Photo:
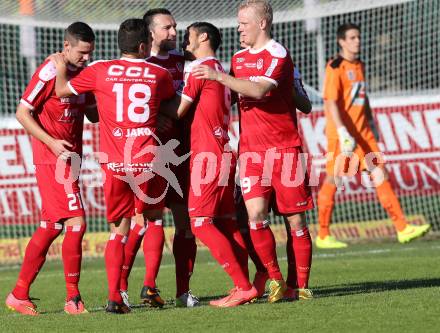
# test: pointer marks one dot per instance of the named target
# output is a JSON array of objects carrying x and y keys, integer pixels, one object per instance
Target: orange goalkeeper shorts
[{"x": 366, "y": 156}]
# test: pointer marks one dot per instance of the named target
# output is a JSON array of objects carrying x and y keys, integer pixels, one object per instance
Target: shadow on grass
[
  {"x": 319, "y": 292},
  {"x": 375, "y": 287}
]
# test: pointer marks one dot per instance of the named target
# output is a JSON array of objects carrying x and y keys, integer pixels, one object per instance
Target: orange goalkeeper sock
[
  {"x": 390, "y": 203},
  {"x": 326, "y": 203}
]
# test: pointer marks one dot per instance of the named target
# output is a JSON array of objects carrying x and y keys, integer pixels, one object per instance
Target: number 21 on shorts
[{"x": 74, "y": 201}]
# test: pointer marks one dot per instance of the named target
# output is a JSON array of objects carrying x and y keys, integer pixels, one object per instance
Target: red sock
[
  {"x": 131, "y": 248},
  {"x": 72, "y": 255},
  {"x": 265, "y": 246},
  {"x": 154, "y": 240},
  {"x": 35, "y": 256},
  {"x": 184, "y": 251},
  {"x": 229, "y": 228},
  {"x": 302, "y": 247},
  {"x": 221, "y": 250},
  {"x": 291, "y": 280},
  {"x": 251, "y": 250},
  {"x": 114, "y": 258}
]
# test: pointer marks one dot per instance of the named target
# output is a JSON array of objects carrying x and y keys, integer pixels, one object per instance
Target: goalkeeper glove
[{"x": 346, "y": 141}]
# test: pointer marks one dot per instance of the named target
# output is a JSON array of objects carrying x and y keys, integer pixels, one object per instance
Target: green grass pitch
[{"x": 384, "y": 287}]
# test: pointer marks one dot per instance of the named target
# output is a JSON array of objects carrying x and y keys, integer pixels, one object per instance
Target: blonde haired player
[
  {"x": 349, "y": 131},
  {"x": 262, "y": 75}
]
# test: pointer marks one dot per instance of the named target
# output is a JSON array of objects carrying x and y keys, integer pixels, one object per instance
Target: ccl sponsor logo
[{"x": 131, "y": 71}]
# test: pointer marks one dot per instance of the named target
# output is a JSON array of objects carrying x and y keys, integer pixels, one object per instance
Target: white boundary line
[{"x": 210, "y": 263}]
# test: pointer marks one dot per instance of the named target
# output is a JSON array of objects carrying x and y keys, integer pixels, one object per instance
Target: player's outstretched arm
[
  {"x": 61, "y": 87},
  {"x": 246, "y": 88},
  {"x": 58, "y": 147}
]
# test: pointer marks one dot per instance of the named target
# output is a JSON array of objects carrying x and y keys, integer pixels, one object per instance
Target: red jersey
[
  {"x": 211, "y": 109},
  {"x": 61, "y": 118},
  {"x": 128, "y": 94},
  {"x": 271, "y": 121},
  {"x": 174, "y": 63}
]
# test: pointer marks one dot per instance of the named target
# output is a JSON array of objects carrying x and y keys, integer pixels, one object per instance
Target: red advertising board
[{"x": 410, "y": 141}]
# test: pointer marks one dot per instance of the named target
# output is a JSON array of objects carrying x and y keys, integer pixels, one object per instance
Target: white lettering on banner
[
  {"x": 37, "y": 196},
  {"x": 8, "y": 157},
  {"x": 415, "y": 130},
  {"x": 427, "y": 172},
  {"x": 396, "y": 170},
  {"x": 24, "y": 143},
  {"x": 315, "y": 135},
  {"x": 17, "y": 202},
  {"x": 432, "y": 118},
  {"x": 387, "y": 133},
  {"x": 411, "y": 137},
  {"x": 22, "y": 202},
  {"x": 6, "y": 210}
]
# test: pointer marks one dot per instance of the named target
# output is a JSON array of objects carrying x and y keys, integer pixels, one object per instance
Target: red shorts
[
  {"x": 279, "y": 175},
  {"x": 60, "y": 193},
  {"x": 126, "y": 193},
  {"x": 211, "y": 190}
]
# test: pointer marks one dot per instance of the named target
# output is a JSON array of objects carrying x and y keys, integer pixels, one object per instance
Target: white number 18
[{"x": 136, "y": 102}]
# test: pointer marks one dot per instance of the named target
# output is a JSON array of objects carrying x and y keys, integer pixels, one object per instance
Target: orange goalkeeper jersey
[{"x": 345, "y": 84}]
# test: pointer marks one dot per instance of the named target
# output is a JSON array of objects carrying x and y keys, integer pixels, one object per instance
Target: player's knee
[
  {"x": 257, "y": 209},
  {"x": 77, "y": 220},
  {"x": 297, "y": 221},
  {"x": 138, "y": 219},
  {"x": 121, "y": 226}
]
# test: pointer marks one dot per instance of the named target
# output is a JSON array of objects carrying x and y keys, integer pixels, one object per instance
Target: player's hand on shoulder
[
  {"x": 58, "y": 59},
  {"x": 347, "y": 143},
  {"x": 61, "y": 148},
  {"x": 204, "y": 72}
]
